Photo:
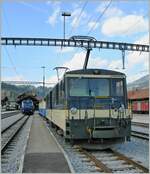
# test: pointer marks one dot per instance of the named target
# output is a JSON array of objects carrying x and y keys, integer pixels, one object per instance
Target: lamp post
[
  {"x": 64, "y": 14},
  {"x": 43, "y": 67}
]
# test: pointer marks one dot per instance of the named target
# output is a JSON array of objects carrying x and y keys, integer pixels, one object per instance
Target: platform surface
[
  {"x": 42, "y": 154},
  {"x": 142, "y": 118}
]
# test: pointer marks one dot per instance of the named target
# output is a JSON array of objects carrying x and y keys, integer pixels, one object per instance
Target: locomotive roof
[
  {"x": 90, "y": 72},
  {"x": 95, "y": 71}
]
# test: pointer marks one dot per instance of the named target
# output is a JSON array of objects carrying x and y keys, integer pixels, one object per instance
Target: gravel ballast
[
  {"x": 12, "y": 161},
  {"x": 137, "y": 149}
]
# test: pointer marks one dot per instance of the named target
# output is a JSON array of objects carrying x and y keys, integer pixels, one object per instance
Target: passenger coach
[{"x": 90, "y": 104}]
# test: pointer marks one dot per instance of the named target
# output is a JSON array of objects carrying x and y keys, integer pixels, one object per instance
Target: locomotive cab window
[
  {"x": 78, "y": 87},
  {"x": 98, "y": 87},
  {"x": 88, "y": 87},
  {"x": 117, "y": 87}
]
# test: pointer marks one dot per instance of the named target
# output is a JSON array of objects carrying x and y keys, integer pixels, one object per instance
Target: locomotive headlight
[{"x": 73, "y": 110}]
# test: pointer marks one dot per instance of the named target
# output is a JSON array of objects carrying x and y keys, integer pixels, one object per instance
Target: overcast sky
[{"x": 110, "y": 20}]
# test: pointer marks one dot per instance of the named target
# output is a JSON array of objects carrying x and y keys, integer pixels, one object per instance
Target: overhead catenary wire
[
  {"x": 78, "y": 18},
  {"x": 8, "y": 55},
  {"x": 82, "y": 10},
  {"x": 6, "y": 20},
  {"x": 99, "y": 17},
  {"x": 11, "y": 61},
  {"x": 92, "y": 17},
  {"x": 93, "y": 26},
  {"x": 33, "y": 7},
  {"x": 133, "y": 26},
  {"x": 25, "y": 68}
]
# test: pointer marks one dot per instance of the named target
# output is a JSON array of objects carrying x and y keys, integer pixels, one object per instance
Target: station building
[
  {"x": 31, "y": 96},
  {"x": 138, "y": 100}
]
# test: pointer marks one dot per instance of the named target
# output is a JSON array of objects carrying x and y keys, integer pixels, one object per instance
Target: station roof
[
  {"x": 27, "y": 96},
  {"x": 138, "y": 94}
]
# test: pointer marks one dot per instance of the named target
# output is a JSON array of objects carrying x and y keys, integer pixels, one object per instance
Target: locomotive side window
[
  {"x": 57, "y": 94},
  {"x": 47, "y": 101},
  {"x": 50, "y": 100},
  {"x": 117, "y": 87},
  {"x": 54, "y": 97},
  {"x": 61, "y": 93}
]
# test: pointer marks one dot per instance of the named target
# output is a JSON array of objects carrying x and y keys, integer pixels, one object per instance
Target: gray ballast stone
[{"x": 45, "y": 163}]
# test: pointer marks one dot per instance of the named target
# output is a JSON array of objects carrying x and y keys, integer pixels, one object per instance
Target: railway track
[
  {"x": 9, "y": 114},
  {"x": 141, "y": 135},
  {"x": 8, "y": 134},
  {"x": 146, "y": 125},
  {"x": 103, "y": 161},
  {"x": 110, "y": 161}
]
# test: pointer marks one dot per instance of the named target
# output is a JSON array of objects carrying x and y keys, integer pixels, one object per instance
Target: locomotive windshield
[
  {"x": 95, "y": 87},
  {"x": 89, "y": 87},
  {"x": 27, "y": 103}
]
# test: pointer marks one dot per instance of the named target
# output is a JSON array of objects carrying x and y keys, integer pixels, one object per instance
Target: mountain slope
[
  {"x": 12, "y": 91},
  {"x": 141, "y": 83}
]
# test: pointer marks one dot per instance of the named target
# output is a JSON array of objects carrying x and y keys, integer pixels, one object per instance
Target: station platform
[
  {"x": 43, "y": 154},
  {"x": 142, "y": 118}
]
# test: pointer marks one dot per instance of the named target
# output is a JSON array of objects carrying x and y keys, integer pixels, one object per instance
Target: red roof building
[
  {"x": 139, "y": 100},
  {"x": 138, "y": 94}
]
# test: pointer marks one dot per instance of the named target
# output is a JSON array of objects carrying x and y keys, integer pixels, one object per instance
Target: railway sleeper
[
  {"x": 129, "y": 161},
  {"x": 109, "y": 162},
  {"x": 118, "y": 167},
  {"x": 86, "y": 160}
]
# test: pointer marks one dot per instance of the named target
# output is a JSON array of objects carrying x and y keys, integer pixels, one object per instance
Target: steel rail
[
  {"x": 12, "y": 124},
  {"x": 9, "y": 114},
  {"x": 129, "y": 161},
  {"x": 72, "y": 43},
  {"x": 141, "y": 135},
  {"x": 119, "y": 156},
  {"x": 4, "y": 146},
  {"x": 140, "y": 124},
  {"x": 97, "y": 162}
]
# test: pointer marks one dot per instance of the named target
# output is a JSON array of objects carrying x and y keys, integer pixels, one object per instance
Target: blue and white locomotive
[
  {"x": 90, "y": 105},
  {"x": 27, "y": 107}
]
